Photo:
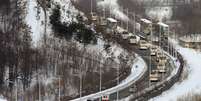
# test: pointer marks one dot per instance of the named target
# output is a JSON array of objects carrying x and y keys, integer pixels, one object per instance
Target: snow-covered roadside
[
  {"x": 192, "y": 84},
  {"x": 35, "y": 22},
  {"x": 138, "y": 69},
  {"x": 2, "y": 99}
]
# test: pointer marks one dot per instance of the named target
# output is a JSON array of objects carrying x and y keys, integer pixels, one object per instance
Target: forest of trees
[
  {"x": 79, "y": 30},
  {"x": 26, "y": 69}
]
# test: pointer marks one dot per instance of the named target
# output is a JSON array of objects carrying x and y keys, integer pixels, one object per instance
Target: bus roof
[
  {"x": 163, "y": 24},
  {"x": 112, "y": 20},
  {"x": 146, "y": 21}
]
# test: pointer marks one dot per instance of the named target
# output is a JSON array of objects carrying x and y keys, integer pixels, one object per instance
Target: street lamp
[{"x": 16, "y": 91}]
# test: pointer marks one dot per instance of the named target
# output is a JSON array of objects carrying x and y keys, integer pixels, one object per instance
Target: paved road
[
  {"x": 135, "y": 75},
  {"x": 144, "y": 82}
]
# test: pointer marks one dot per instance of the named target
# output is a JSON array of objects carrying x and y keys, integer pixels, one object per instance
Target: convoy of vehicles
[{"x": 142, "y": 41}]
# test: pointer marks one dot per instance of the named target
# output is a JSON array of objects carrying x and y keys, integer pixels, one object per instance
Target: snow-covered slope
[
  {"x": 192, "y": 84},
  {"x": 68, "y": 11},
  {"x": 35, "y": 17},
  {"x": 35, "y": 20},
  {"x": 114, "y": 51}
]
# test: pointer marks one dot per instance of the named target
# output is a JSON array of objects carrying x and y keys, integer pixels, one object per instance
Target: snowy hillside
[{"x": 68, "y": 11}]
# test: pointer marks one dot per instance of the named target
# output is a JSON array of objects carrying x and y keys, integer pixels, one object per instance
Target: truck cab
[
  {"x": 154, "y": 76},
  {"x": 125, "y": 35},
  {"x": 161, "y": 67},
  {"x": 144, "y": 45},
  {"x": 153, "y": 50}
]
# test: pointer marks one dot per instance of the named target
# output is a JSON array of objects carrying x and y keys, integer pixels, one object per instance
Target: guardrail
[
  {"x": 161, "y": 86},
  {"x": 117, "y": 88},
  {"x": 157, "y": 89}
]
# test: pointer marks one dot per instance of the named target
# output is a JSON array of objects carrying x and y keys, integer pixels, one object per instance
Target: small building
[
  {"x": 191, "y": 41},
  {"x": 111, "y": 25},
  {"x": 145, "y": 26}
]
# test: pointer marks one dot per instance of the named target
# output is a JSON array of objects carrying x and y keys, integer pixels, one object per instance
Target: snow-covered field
[
  {"x": 138, "y": 69},
  {"x": 192, "y": 84}
]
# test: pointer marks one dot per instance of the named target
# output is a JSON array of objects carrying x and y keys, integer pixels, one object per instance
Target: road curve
[{"x": 138, "y": 69}]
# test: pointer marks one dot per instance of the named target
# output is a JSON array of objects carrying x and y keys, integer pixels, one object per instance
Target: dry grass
[
  {"x": 185, "y": 73},
  {"x": 190, "y": 97}
]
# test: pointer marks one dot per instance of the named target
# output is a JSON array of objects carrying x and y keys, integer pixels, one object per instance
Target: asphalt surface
[{"x": 143, "y": 82}]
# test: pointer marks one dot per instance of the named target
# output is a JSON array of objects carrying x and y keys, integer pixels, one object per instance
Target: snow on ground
[
  {"x": 35, "y": 22},
  {"x": 114, "y": 51},
  {"x": 113, "y": 6},
  {"x": 2, "y": 99},
  {"x": 138, "y": 69},
  {"x": 192, "y": 84},
  {"x": 68, "y": 11}
]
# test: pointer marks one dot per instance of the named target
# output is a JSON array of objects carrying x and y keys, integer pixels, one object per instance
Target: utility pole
[
  {"x": 80, "y": 84},
  {"x": 110, "y": 7},
  {"x": 134, "y": 23},
  {"x": 168, "y": 41},
  {"x": 150, "y": 66},
  {"x": 127, "y": 20},
  {"x": 16, "y": 89},
  {"x": 104, "y": 15},
  {"x": 59, "y": 89},
  {"x": 100, "y": 72},
  {"x": 91, "y": 7},
  {"x": 39, "y": 95},
  {"x": 118, "y": 81},
  {"x": 121, "y": 20}
]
